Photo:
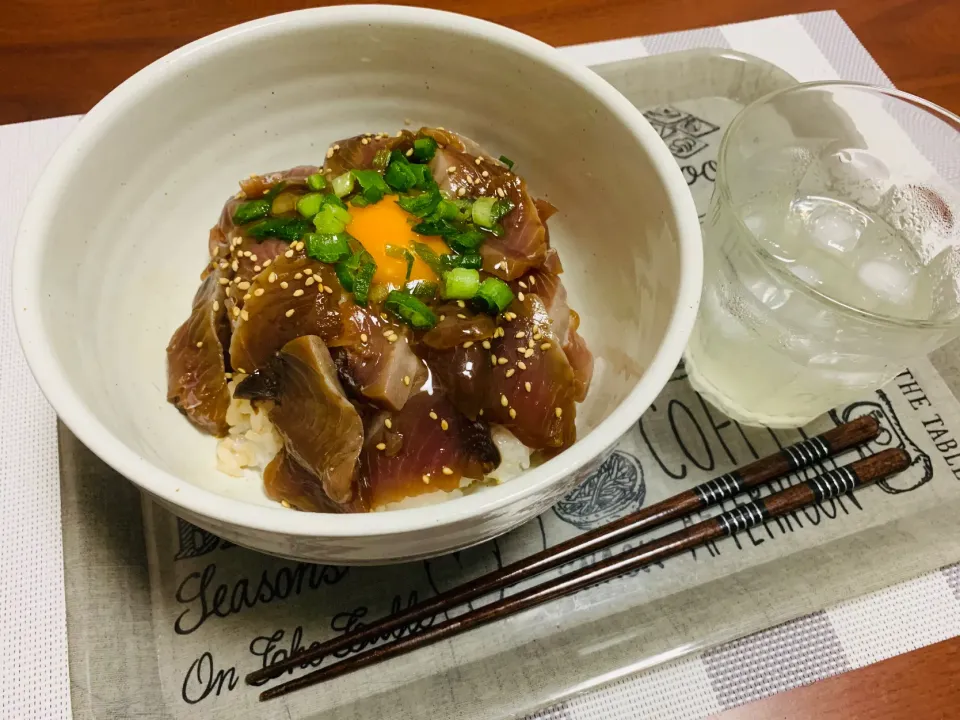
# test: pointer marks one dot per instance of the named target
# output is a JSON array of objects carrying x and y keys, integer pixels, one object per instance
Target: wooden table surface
[{"x": 59, "y": 57}]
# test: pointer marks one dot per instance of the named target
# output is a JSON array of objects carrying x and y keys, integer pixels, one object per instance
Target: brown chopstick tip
[
  {"x": 884, "y": 463},
  {"x": 856, "y": 431}
]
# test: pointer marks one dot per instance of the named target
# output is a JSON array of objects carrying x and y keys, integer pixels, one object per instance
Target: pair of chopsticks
[{"x": 831, "y": 484}]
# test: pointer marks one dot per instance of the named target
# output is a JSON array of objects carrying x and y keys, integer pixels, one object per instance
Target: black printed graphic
[
  {"x": 891, "y": 435},
  {"x": 615, "y": 489},
  {"x": 195, "y": 542},
  {"x": 680, "y": 130}
]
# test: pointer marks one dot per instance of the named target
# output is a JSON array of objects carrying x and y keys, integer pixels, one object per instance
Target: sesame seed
[
  {"x": 284, "y": 284},
  {"x": 258, "y": 292},
  {"x": 364, "y": 338},
  {"x": 461, "y": 316},
  {"x": 520, "y": 334},
  {"x": 383, "y": 316},
  {"x": 285, "y": 504},
  {"x": 272, "y": 277},
  {"x": 485, "y": 343},
  {"x": 236, "y": 311},
  {"x": 504, "y": 401},
  {"x": 513, "y": 413},
  {"x": 244, "y": 253},
  {"x": 528, "y": 353},
  {"x": 501, "y": 192},
  {"x": 480, "y": 412},
  {"x": 527, "y": 386},
  {"x": 252, "y": 256},
  {"x": 336, "y": 146},
  {"x": 520, "y": 297},
  {"x": 485, "y": 173},
  {"x": 451, "y": 170},
  {"x": 329, "y": 153},
  {"x": 392, "y": 338},
  {"x": 499, "y": 332},
  {"x": 510, "y": 372},
  {"x": 442, "y": 317},
  {"x": 236, "y": 279},
  {"x": 537, "y": 335},
  {"x": 298, "y": 292},
  {"x": 289, "y": 312},
  {"x": 521, "y": 365},
  {"x": 446, "y": 470},
  {"x": 533, "y": 280},
  {"x": 381, "y": 446},
  {"x": 501, "y": 361},
  {"x": 364, "y": 141},
  {"x": 510, "y": 315},
  {"x": 388, "y": 332},
  {"x": 406, "y": 380},
  {"x": 558, "y": 412},
  {"x": 522, "y": 284},
  {"x": 328, "y": 290},
  {"x": 531, "y": 343},
  {"x": 478, "y": 161},
  {"x": 224, "y": 281},
  {"x": 267, "y": 263},
  {"x": 244, "y": 285},
  {"x": 224, "y": 264},
  {"x": 288, "y": 254},
  {"x": 228, "y": 375},
  {"x": 409, "y": 152},
  {"x": 298, "y": 276},
  {"x": 468, "y": 344},
  {"x": 433, "y": 415},
  {"x": 389, "y": 423},
  {"x": 461, "y": 192},
  {"x": 298, "y": 245},
  {"x": 216, "y": 305},
  {"x": 200, "y": 344},
  {"x": 545, "y": 346},
  {"x": 493, "y": 359},
  {"x": 444, "y": 425},
  {"x": 257, "y": 268},
  {"x": 307, "y": 271},
  {"x": 461, "y": 303},
  {"x": 247, "y": 296},
  {"x": 426, "y": 479},
  {"x": 244, "y": 315}
]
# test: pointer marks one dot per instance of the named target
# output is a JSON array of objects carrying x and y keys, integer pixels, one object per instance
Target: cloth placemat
[{"x": 34, "y": 680}]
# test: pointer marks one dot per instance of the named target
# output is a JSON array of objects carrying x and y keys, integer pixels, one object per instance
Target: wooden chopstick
[
  {"x": 823, "y": 487},
  {"x": 787, "y": 460},
  {"x": 828, "y": 485}
]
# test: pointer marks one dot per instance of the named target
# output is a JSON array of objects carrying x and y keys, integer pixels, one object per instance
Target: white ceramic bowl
[{"x": 115, "y": 235}]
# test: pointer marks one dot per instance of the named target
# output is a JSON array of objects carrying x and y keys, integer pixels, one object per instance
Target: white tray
[{"x": 126, "y": 660}]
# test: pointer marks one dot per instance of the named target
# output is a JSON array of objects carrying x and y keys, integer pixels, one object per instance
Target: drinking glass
[{"x": 832, "y": 250}]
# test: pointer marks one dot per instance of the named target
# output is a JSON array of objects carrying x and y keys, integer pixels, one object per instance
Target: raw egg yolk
[{"x": 385, "y": 223}]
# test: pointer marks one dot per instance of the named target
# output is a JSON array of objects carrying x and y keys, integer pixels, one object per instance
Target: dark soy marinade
[{"x": 389, "y": 306}]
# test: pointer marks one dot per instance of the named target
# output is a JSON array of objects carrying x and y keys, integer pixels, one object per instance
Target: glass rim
[{"x": 775, "y": 263}]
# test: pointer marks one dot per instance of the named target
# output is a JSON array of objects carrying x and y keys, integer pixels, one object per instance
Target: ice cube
[
  {"x": 944, "y": 276},
  {"x": 807, "y": 274},
  {"x": 892, "y": 283},
  {"x": 857, "y": 176},
  {"x": 835, "y": 227},
  {"x": 924, "y": 216},
  {"x": 771, "y": 295}
]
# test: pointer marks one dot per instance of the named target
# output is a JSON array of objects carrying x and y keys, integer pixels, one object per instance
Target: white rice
[{"x": 253, "y": 442}]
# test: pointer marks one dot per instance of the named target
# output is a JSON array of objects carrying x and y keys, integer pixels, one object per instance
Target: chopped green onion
[
  {"x": 327, "y": 248},
  {"x": 421, "y": 289},
  {"x": 251, "y": 210},
  {"x": 381, "y": 158},
  {"x": 331, "y": 199},
  {"x": 399, "y": 176},
  {"x": 507, "y": 161},
  {"x": 284, "y": 228},
  {"x": 487, "y": 212},
  {"x": 401, "y": 253},
  {"x": 359, "y": 201},
  {"x": 378, "y": 293},
  {"x": 343, "y": 184},
  {"x": 356, "y": 272},
  {"x": 435, "y": 227},
  {"x": 423, "y": 204},
  {"x": 363, "y": 279},
  {"x": 330, "y": 220},
  {"x": 345, "y": 275},
  {"x": 411, "y": 310},
  {"x": 465, "y": 242},
  {"x": 472, "y": 261},
  {"x": 309, "y": 205},
  {"x": 372, "y": 184},
  {"x": 316, "y": 181},
  {"x": 274, "y": 190},
  {"x": 429, "y": 257},
  {"x": 461, "y": 284},
  {"x": 424, "y": 149},
  {"x": 494, "y": 296},
  {"x": 424, "y": 177}
]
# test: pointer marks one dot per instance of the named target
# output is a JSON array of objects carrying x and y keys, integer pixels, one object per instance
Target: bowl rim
[{"x": 205, "y": 504}]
